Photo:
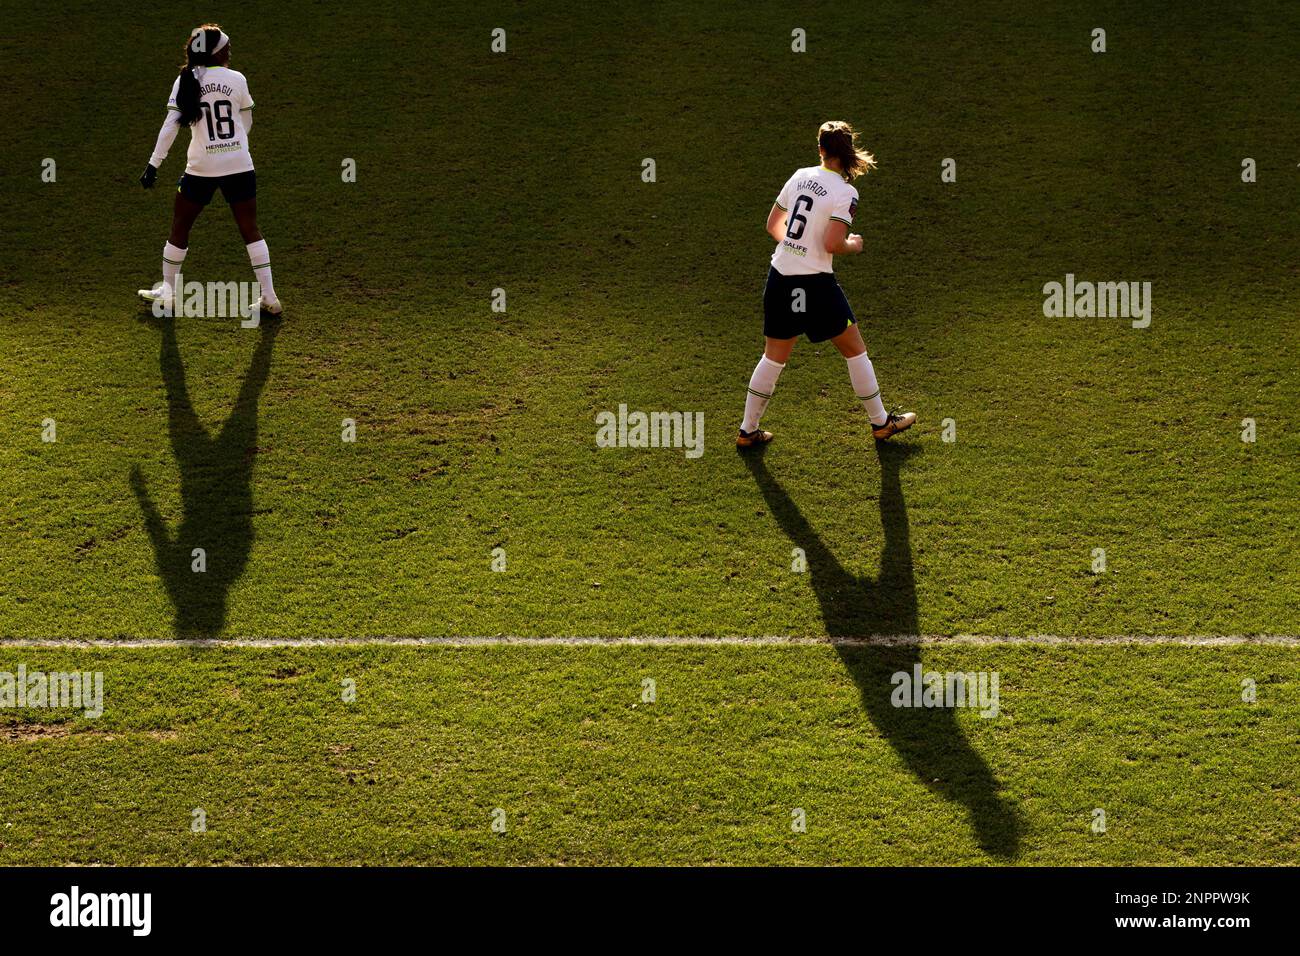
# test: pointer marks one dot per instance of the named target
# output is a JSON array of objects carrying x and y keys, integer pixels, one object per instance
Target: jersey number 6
[
  {"x": 225, "y": 127},
  {"x": 796, "y": 216}
]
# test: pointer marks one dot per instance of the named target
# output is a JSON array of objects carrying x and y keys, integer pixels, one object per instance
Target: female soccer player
[
  {"x": 213, "y": 101},
  {"x": 810, "y": 223}
]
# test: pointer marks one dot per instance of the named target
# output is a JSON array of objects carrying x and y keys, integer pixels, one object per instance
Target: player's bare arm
[
  {"x": 839, "y": 241},
  {"x": 776, "y": 223}
]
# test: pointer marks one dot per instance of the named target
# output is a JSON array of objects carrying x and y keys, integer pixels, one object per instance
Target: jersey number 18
[{"x": 225, "y": 125}]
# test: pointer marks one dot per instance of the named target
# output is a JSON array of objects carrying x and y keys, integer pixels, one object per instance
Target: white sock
[
  {"x": 260, "y": 257},
  {"x": 173, "y": 256},
  {"x": 761, "y": 386},
  {"x": 863, "y": 376}
]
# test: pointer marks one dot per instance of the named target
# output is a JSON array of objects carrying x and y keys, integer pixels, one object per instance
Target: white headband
[{"x": 221, "y": 41}]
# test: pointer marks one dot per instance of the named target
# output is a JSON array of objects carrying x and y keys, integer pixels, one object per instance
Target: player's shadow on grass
[
  {"x": 216, "y": 491},
  {"x": 929, "y": 740}
]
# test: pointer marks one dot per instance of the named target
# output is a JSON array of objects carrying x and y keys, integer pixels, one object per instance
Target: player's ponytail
[
  {"x": 201, "y": 49},
  {"x": 839, "y": 141}
]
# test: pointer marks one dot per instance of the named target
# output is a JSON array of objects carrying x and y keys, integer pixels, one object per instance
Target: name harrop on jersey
[{"x": 813, "y": 186}]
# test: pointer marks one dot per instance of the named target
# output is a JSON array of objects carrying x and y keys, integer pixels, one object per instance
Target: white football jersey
[
  {"x": 219, "y": 140},
  {"x": 811, "y": 198}
]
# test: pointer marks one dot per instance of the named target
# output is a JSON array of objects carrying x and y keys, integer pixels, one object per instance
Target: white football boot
[
  {"x": 270, "y": 307},
  {"x": 159, "y": 293}
]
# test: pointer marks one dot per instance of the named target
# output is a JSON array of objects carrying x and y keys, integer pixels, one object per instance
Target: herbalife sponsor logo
[
  {"x": 651, "y": 430},
  {"x": 977, "y": 690},
  {"x": 77, "y": 690}
]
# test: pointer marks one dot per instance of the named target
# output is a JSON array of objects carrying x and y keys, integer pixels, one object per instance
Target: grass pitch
[{"x": 475, "y": 431}]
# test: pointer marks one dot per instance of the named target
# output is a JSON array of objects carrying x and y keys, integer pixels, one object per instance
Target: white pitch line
[{"x": 878, "y": 640}]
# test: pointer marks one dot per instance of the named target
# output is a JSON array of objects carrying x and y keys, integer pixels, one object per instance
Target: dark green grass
[{"x": 476, "y": 429}]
